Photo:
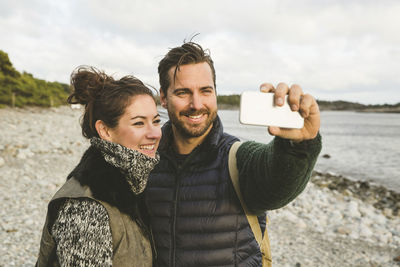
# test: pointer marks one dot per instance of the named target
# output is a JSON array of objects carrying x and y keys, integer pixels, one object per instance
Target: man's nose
[{"x": 195, "y": 102}]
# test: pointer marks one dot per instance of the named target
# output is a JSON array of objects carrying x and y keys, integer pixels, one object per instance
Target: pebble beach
[{"x": 334, "y": 222}]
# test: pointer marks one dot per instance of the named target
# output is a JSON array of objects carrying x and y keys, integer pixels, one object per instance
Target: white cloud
[{"x": 337, "y": 49}]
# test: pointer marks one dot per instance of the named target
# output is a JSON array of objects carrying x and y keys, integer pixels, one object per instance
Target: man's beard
[{"x": 197, "y": 131}]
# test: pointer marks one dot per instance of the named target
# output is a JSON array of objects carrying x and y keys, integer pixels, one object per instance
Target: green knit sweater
[{"x": 271, "y": 175}]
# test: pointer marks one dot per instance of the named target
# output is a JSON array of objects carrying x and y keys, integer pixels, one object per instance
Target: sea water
[{"x": 359, "y": 146}]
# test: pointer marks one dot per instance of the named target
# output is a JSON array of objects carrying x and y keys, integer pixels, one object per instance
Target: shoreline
[
  {"x": 382, "y": 198},
  {"x": 366, "y": 110},
  {"x": 222, "y": 106}
]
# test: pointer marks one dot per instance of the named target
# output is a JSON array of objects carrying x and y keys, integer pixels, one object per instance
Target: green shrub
[{"x": 21, "y": 90}]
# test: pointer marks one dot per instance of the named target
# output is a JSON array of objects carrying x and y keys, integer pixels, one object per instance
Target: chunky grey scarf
[{"x": 134, "y": 165}]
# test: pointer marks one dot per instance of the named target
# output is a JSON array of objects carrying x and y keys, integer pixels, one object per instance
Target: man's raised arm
[{"x": 271, "y": 175}]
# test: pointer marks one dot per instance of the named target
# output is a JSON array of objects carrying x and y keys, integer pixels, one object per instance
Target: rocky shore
[{"x": 334, "y": 222}]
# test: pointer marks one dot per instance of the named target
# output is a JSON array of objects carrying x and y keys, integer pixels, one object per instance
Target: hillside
[
  {"x": 21, "y": 90},
  {"x": 343, "y": 105}
]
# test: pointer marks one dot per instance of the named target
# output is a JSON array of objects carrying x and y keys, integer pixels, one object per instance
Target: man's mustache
[{"x": 194, "y": 112}]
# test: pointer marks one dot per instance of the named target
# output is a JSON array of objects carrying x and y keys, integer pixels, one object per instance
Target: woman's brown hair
[{"x": 104, "y": 97}]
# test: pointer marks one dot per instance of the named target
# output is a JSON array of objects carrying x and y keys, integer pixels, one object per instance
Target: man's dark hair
[{"x": 188, "y": 53}]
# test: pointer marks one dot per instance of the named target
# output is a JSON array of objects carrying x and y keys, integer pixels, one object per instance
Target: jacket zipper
[
  {"x": 173, "y": 250},
  {"x": 173, "y": 224},
  {"x": 177, "y": 186}
]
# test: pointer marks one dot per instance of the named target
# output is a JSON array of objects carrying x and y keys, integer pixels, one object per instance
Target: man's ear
[
  {"x": 103, "y": 130},
  {"x": 163, "y": 99}
]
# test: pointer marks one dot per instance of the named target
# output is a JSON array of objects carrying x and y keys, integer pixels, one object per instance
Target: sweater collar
[{"x": 135, "y": 166}]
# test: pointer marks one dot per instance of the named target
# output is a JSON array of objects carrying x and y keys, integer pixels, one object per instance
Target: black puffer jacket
[{"x": 196, "y": 217}]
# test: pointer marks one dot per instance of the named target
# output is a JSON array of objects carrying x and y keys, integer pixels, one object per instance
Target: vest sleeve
[
  {"x": 271, "y": 175},
  {"x": 82, "y": 234}
]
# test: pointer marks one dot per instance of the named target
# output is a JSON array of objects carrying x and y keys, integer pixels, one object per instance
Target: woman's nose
[{"x": 154, "y": 132}]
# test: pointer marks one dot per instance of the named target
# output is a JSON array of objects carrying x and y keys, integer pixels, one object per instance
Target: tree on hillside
[
  {"x": 233, "y": 100},
  {"x": 8, "y": 79},
  {"x": 23, "y": 89},
  {"x": 6, "y": 67}
]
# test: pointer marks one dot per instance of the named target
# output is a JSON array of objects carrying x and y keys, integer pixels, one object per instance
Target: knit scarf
[{"x": 134, "y": 165}]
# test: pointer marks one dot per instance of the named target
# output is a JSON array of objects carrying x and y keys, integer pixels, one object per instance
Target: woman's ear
[{"x": 103, "y": 130}]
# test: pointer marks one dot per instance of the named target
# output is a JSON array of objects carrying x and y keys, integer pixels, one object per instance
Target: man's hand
[{"x": 305, "y": 104}]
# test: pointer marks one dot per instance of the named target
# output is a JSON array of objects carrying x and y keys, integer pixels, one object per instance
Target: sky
[{"x": 335, "y": 50}]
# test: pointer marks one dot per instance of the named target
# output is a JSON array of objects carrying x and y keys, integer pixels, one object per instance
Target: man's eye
[{"x": 181, "y": 93}]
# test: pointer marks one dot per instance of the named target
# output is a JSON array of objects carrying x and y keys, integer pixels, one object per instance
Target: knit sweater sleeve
[
  {"x": 82, "y": 234},
  {"x": 271, "y": 175}
]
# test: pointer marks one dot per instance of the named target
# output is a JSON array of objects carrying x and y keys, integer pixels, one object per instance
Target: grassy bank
[{"x": 22, "y": 89}]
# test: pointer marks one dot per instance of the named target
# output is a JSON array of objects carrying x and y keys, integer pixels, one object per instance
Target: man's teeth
[
  {"x": 147, "y": 147},
  {"x": 196, "y": 117}
]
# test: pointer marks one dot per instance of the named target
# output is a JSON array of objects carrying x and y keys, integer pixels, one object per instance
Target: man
[{"x": 196, "y": 217}]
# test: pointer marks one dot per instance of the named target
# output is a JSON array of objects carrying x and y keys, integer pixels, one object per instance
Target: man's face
[{"x": 191, "y": 100}]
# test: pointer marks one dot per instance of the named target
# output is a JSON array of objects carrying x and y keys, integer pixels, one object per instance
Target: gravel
[{"x": 322, "y": 227}]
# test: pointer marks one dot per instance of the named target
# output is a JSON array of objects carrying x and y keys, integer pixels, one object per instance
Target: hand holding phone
[{"x": 258, "y": 108}]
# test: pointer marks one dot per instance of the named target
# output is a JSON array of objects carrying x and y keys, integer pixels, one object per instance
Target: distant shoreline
[
  {"x": 380, "y": 110},
  {"x": 223, "y": 106},
  {"x": 322, "y": 108},
  {"x": 232, "y": 102}
]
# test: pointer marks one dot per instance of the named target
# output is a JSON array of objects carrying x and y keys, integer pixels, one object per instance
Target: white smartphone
[{"x": 258, "y": 108}]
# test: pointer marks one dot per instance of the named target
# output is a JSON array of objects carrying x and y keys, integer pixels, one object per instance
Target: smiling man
[
  {"x": 196, "y": 217},
  {"x": 191, "y": 104}
]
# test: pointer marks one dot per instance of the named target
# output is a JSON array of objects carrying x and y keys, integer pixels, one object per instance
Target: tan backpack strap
[{"x": 234, "y": 173}]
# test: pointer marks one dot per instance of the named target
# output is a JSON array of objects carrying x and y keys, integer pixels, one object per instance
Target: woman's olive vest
[{"x": 130, "y": 246}]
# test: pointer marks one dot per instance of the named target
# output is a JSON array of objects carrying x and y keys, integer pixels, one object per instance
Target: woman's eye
[
  {"x": 139, "y": 123},
  {"x": 158, "y": 121}
]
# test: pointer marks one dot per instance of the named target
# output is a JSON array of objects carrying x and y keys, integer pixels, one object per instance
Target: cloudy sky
[{"x": 336, "y": 50}]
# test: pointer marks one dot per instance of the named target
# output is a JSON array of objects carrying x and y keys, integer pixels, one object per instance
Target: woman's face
[{"x": 139, "y": 127}]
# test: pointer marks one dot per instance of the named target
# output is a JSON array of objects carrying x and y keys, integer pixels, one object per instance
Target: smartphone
[{"x": 258, "y": 108}]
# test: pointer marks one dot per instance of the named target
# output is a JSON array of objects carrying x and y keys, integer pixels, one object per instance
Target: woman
[{"x": 96, "y": 218}]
